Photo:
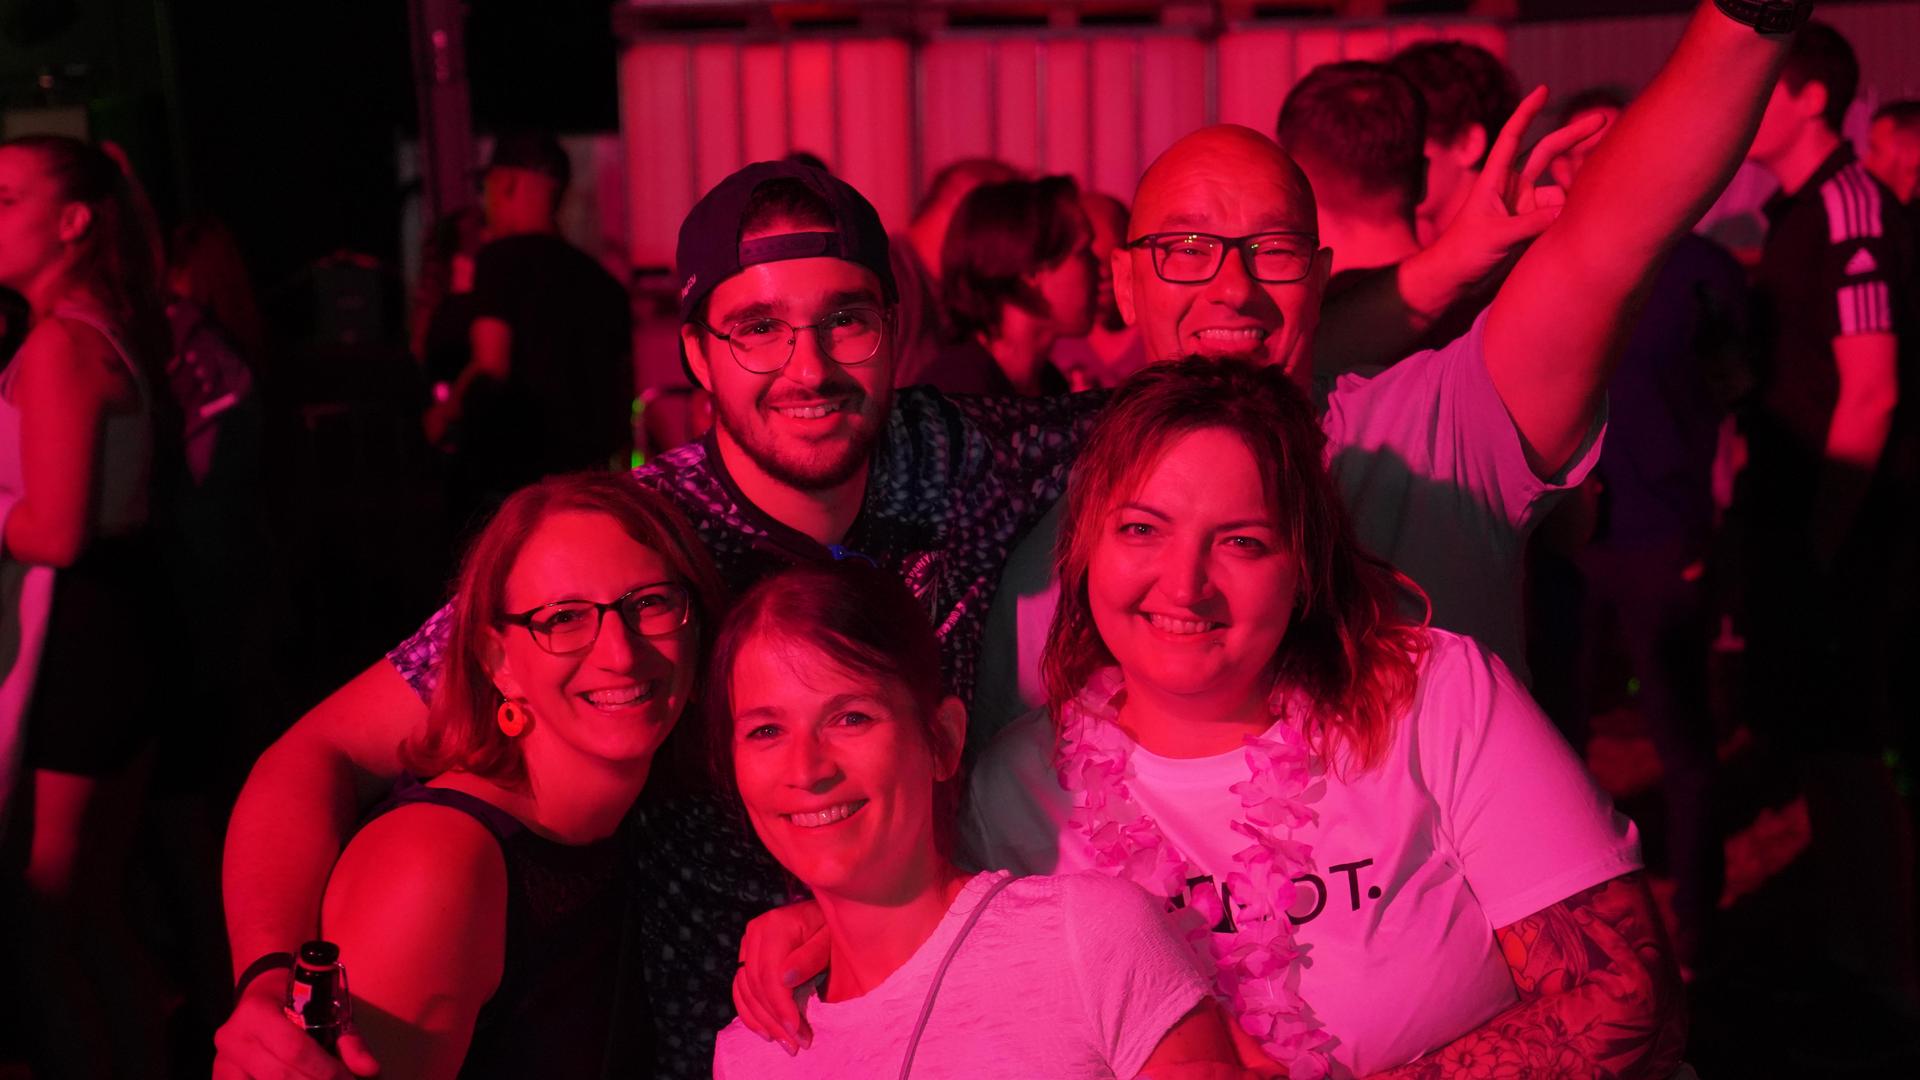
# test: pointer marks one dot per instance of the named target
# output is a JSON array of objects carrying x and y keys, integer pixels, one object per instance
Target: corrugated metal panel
[
  {"x": 1095, "y": 104},
  {"x": 876, "y": 127}
]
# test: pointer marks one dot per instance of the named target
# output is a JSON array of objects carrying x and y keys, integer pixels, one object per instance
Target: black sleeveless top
[{"x": 553, "y": 1011}]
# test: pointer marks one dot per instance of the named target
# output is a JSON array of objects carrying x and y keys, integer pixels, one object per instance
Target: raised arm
[
  {"x": 297, "y": 807},
  {"x": 1388, "y": 314},
  {"x": 1557, "y": 324},
  {"x": 1599, "y": 996}
]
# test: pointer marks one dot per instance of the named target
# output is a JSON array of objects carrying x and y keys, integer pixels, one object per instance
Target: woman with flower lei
[
  {"x": 1389, "y": 858},
  {"x": 1369, "y": 834}
]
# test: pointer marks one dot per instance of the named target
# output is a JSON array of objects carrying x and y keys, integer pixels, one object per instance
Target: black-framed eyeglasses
[
  {"x": 849, "y": 336},
  {"x": 570, "y": 626},
  {"x": 1190, "y": 258}
]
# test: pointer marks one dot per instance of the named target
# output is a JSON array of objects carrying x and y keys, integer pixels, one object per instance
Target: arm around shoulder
[{"x": 418, "y": 906}]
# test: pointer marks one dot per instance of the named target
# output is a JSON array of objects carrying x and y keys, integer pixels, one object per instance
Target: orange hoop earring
[{"x": 512, "y": 718}]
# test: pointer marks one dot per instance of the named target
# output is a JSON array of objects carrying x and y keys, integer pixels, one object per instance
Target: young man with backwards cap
[{"x": 786, "y": 303}]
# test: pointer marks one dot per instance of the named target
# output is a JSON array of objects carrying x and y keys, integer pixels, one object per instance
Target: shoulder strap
[
  {"x": 92, "y": 319},
  {"x": 939, "y": 973},
  {"x": 410, "y": 790}
]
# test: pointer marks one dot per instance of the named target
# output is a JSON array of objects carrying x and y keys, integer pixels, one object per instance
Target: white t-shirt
[
  {"x": 1433, "y": 473},
  {"x": 1072, "y": 976},
  {"x": 1478, "y": 816}
]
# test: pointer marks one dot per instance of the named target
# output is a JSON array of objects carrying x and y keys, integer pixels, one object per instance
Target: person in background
[
  {"x": 1834, "y": 286},
  {"x": 1893, "y": 148},
  {"x": 1017, "y": 275},
  {"x": 831, "y": 725},
  {"x": 478, "y": 907},
  {"x": 921, "y": 326},
  {"x": 85, "y": 468},
  {"x": 1470, "y": 94},
  {"x": 1111, "y": 349},
  {"x": 206, "y": 268},
  {"x": 549, "y": 387},
  {"x": 1358, "y": 130},
  {"x": 1641, "y": 575},
  {"x": 219, "y": 340}
]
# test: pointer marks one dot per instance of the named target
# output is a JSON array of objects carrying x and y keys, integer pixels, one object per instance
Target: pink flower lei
[{"x": 1250, "y": 968}]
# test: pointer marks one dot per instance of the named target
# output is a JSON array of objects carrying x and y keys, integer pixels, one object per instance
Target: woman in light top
[
  {"x": 830, "y": 717},
  {"x": 1391, "y": 861}
]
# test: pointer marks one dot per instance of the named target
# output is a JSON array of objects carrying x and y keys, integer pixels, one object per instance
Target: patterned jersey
[{"x": 954, "y": 483}]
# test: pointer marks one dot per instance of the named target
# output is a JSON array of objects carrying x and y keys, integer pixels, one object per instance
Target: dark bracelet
[
  {"x": 260, "y": 967},
  {"x": 1768, "y": 16}
]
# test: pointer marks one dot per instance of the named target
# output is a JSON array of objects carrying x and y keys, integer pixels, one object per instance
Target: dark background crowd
[{"x": 1729, "y": 651}]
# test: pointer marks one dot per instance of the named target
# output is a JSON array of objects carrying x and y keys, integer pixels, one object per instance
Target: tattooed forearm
[{"x": 1599, "y": 995}]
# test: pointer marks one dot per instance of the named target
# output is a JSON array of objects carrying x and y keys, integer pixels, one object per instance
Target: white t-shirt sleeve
[
  {"x": 1522, "y": 815},
  {"x": 1135, "y": 978},
  {"x": 1439, "y": 416}
]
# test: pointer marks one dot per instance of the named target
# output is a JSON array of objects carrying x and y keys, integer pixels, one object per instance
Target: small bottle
[{"x": 317, "y": 994}]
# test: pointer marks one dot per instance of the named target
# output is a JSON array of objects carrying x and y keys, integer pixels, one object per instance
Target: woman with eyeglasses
[
  {"x": 1016, "y": 275},
  {"x": 830, "y": 720},
  {"x": 477, "y": 910}
]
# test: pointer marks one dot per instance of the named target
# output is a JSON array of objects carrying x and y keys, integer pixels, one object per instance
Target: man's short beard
[{"x": 858, "y": 451}]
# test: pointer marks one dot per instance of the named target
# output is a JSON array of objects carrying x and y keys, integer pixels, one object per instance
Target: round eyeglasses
[
  {"x": 570, "y": 626},
  {"x": 849, "y": 337},
  {"x": 1187, "y": 258}
]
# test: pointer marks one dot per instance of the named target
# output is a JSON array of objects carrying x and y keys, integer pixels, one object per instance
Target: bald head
[
  {"x": 1220, "y": 175},
  {"x": 1233, "y": 182}
]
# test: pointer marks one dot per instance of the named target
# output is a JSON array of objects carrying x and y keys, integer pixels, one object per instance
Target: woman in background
[
  {"x": 1016, "y": 275},
  {"x": 86, "y": 609}
]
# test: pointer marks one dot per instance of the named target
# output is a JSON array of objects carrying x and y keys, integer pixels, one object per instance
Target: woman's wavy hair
[
  {"x": 205, "y": 259},
  {"x": 117, "y": 260},
  {"x": 863, "y": 619},
  {"x": 1349, "y": 648},
  {"x": 461, "y": 730},
  {"x": 1000, "y": 234}
]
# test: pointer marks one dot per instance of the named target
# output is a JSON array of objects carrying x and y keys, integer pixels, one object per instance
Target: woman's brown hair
[
  {"x": 1000, "y": 234},
  {"x": 1348, "y": 648},
  {"x": 461, "y": 730}
]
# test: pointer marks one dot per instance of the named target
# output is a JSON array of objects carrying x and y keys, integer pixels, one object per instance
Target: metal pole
[{"x": 440, "y": 94}]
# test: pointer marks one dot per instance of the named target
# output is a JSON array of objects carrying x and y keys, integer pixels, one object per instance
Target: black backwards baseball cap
[
  {"x": 533, "y": 151},
  {"x": 710, "y": 250}
]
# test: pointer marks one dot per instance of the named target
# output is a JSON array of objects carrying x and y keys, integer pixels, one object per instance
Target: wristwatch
[{"x": 1768, "y": 16}]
